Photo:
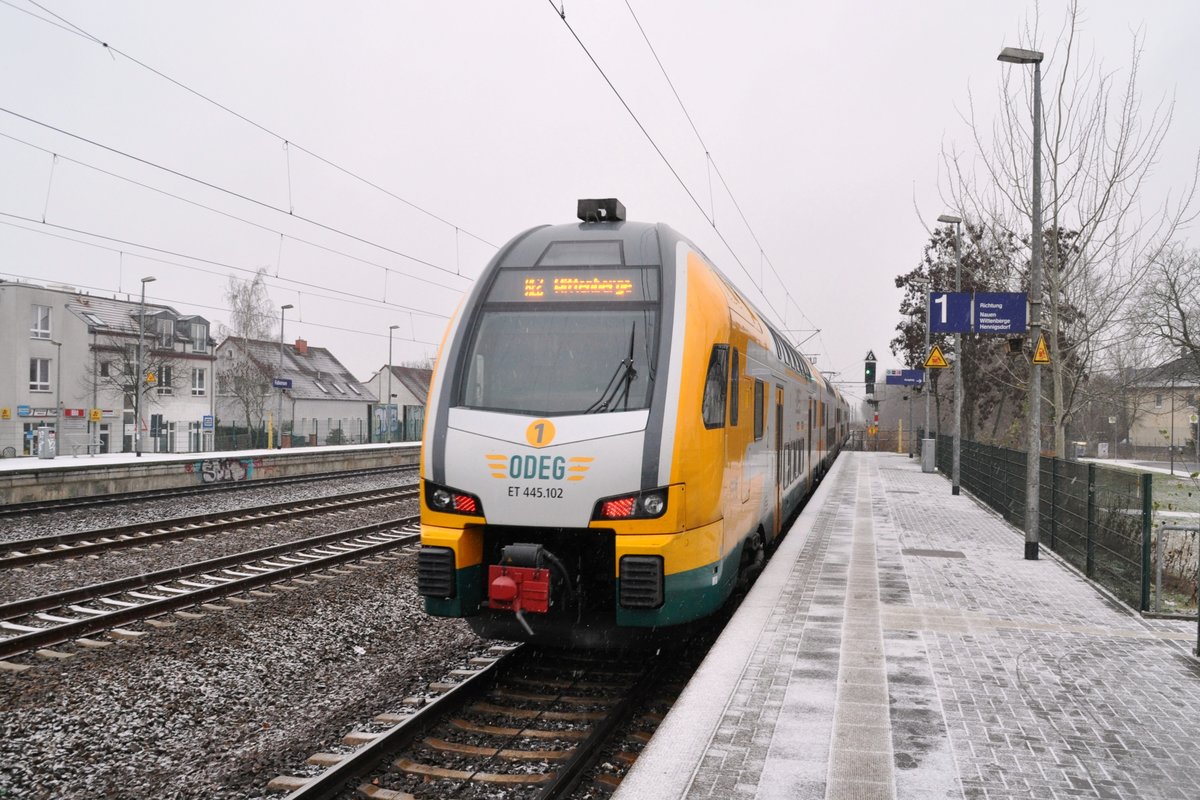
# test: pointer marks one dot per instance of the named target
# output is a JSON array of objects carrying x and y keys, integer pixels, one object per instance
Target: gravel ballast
[{"x": 216, "y": 707}]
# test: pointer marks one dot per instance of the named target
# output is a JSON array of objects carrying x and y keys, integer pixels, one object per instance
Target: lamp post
[
  {"x": 1033, "y": 458},
  {"x": 388, "y": 405},
  {"x": 958, "y": 387},
  {"x": 137, "y": 384},
  {"x": 279, "y": 419},
  {"x": 924, "y": 286}
]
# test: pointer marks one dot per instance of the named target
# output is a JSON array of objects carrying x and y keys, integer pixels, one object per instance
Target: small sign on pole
[
  {"x": 1041, "y": 353},
  {"x": 936, "y": 360}
]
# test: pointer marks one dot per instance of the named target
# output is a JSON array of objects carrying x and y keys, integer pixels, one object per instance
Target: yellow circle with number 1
[{"x": 540, "y": 432}]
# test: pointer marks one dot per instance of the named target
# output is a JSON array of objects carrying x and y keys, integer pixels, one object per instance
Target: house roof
[
  {"x": 414, "y": 379},
  {"x": 315, "y": 373},
  {"x": 1181, "y": 372},
  {"x": 120, "y": 316}
]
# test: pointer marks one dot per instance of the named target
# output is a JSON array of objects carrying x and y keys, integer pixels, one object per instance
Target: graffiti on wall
[{"x": 224, "y": 470}]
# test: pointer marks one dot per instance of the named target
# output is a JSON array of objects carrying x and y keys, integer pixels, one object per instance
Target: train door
[
  {"x": 778, "y": 459},
  {"x": 812, "y": 432}
]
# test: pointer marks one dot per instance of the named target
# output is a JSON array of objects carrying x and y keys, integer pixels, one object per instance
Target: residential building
[
  {"x": 321, "y": 402},
  {"x": 410, "y": 392},
  {"x": 73, "y": 360},
  {"x": 1165, "y": 400}
]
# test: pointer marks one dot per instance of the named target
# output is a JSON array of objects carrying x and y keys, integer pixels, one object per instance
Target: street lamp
[
  {"x": 279, "y": 419},
  {"x": 1033, "y": 463},
  {"x": 924, "y": 286},
  {"x": 138, "y": 377},
  {"x": 388, "y": 405},
  {"x": 950, "y": 219}
]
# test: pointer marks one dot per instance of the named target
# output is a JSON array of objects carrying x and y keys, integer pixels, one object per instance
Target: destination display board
[
  {"x": 615, "y": 284},
  {"x": 977, "y": 312}
]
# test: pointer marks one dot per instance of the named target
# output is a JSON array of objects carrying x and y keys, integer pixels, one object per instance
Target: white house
[
  {"x": 73, "y": 359},
  {"x": 320, "y": 402}
]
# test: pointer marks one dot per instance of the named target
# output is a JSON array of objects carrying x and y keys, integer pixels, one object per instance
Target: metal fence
[{"x": 1096, "y": 517}]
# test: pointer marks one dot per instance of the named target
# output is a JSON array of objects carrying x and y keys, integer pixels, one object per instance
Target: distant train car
[{"x": 614, "y": 435}]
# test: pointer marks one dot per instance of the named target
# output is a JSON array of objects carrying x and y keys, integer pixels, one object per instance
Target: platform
[
  {"x": 29, "y": 479},
  {"x": 899, "y": 645}
]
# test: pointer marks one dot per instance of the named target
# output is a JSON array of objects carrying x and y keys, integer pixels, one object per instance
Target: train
[{"x": 615, "y": 436}]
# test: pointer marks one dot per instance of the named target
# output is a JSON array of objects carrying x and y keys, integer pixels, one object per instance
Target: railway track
[
  {"x": 75, "y": 544},
  {"x": 76, "y": 503},
  {"x": 523, "y": 722},
  {"x": 31, "y": 625}
]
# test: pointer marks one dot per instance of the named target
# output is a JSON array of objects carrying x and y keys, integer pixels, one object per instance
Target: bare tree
[
  {"x": 251, "y": 313},
  {"x": 239, "y": 375},
  {"x": 1169, "y": 305},
  {"x": 1100, "y": 240},
  {"x": 114, "y": 370}
]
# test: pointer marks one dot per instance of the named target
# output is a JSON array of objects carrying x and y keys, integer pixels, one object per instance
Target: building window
[
  {"x": 1158, "y": 401},
  {"x": 105, "y": 367},
  {"x": 321, "y": 387},
  {"x": 166, "y": 332},
  {"x": 354, "y": 389},
  {"x": 39, "y": 374},
  {"x": 166, "y": 383},
  {"x": 40, "y": 329},
  {"x": 199, "y": 338},
  {"x": 339, "y": 388},
  {"x": 198, "y": 383}
]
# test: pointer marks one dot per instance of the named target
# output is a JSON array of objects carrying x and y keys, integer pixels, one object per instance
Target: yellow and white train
[{"x": 614, "y": 435}]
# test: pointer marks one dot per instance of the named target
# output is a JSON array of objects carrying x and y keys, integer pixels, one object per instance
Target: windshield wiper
[{"x": 617, "y": 391}]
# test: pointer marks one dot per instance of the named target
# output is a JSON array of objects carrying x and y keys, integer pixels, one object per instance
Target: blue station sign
[
  {"x": 1000, "y": 312},
  {"x": 905, "y": 377},
  {"x": 977, "y": 312},
  {"x": 281, "y": 383},
  {"x": 949, "y": 312}
]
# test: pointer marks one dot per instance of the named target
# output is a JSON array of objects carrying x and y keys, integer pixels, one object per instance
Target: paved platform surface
[{"x": 899, "y": 645}]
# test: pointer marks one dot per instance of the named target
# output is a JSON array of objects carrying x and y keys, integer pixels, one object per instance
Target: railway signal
[{"x": 869, "y": 372}]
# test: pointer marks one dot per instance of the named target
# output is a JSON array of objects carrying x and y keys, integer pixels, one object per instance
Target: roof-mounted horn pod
[{"x": 607, "y": 210}]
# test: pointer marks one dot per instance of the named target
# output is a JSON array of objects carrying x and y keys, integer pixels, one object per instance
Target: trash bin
[{"x": 929, "y": 455}]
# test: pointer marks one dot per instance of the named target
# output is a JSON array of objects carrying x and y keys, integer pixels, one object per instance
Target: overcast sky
[{"x": 482, "y": 119}]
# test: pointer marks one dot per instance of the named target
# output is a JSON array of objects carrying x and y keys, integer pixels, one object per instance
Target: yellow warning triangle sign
[
  {"x": 1041, "y": 353},
  {"x": 936, "y": 360}
]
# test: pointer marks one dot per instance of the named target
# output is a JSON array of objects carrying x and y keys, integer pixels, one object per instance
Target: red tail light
[
  {"x": 464, "y": 504},
  {"x": 620, "y": 508}
]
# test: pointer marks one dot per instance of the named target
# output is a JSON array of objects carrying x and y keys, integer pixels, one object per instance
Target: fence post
[
  {"x": 1091, "y": 520},
  {"x": 1053, "y": 504},
  {"x": 1147, "y": 512}
]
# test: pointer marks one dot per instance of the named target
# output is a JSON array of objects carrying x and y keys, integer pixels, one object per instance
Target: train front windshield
[{"x": 567, "y": 341}]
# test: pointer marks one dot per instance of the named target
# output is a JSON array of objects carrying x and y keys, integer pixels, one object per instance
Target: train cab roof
[{"x": 602, "y": 237}]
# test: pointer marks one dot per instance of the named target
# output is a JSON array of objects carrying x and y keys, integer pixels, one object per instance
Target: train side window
[
  {"x": 759, "y": 415},
  {"x": 713, "y": 407},
  {"x": 735, "y": 377}
]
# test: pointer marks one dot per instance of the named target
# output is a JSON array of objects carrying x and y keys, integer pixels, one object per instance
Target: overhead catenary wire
[
  {"x": 70, "y": 27},
  {"x": 682, "y": 183},
  {"x": 710, "y": 217},
  {"x": 230, "y": 215},
  {"x": 190, "y": 303},
  {"x": 713, "y": 167},
  {"x": 226, "y": 191},
  {"x": 312, "y": 289}
]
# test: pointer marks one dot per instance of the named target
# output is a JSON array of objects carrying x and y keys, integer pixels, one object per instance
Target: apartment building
[{"x": 81, "y": 373}]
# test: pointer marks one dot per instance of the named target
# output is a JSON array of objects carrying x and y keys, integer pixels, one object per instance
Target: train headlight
[
  {"x": 654, "y": 504},
  {"x": 640, "y": 505},
  {"x": 452, "y": 501},
  {"x": 441, "y": 499}
]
